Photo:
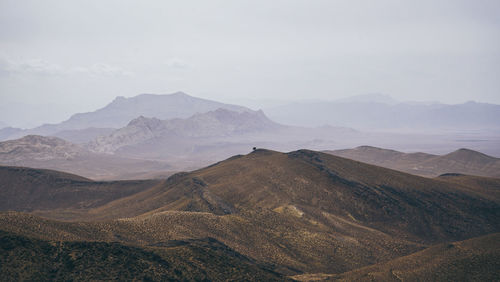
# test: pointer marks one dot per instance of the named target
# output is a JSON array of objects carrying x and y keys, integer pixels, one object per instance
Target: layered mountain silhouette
[
  {"x": 55, "y": 153},
  {"x": 122, "y": 110},
  {"x": 358, "y": 214},
  {"x": 299, "y": 212},
  {"x": 150, "y": 147},
  {"x": 462, "y": 161},
  {"x": 471, "y": 125}
]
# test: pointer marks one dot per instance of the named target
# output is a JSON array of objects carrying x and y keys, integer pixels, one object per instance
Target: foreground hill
[
  {"x": 489, "y": 185},
  {"x": 27, "y": 189},
  {"x": 319, "y": 185},
  {"x": 463, "y": 161},
  {"x": 55, "y": 153},
  {"x": 25, "y": 258},
  {"x": 302, "y": 211}
]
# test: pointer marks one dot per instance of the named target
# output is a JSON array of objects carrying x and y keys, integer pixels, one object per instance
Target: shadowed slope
[
  {"x": 24, "y": 258},
  {"x": 488, "y": 187},
  {"x": 477, "y": 259},
  {"x": 27, "y": 189}
]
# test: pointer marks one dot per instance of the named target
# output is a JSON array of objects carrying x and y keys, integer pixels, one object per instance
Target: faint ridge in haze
[
  {"x": 381, "y": 112},
  {"x": 369, "y": 98}
]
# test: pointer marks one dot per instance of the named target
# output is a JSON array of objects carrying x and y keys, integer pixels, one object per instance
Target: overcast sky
[{"x": 62, "y": 57}]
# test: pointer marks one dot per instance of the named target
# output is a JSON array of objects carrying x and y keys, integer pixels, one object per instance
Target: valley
[
  {"x": 122, "y": 194},
  {"x": 249, "y": 140}
]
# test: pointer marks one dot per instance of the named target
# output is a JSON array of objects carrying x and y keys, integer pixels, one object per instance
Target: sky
[{"x": 62, "y": 57}]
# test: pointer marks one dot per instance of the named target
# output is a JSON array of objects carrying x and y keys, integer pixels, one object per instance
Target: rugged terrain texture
[
  {"x": 300, "y": 212},
  {"x": 25, "y": 258},
  {"x": 149, "y": 134}
]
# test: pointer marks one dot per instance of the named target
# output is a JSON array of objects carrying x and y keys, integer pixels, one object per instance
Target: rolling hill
[
  {"x": 28, "y": 189},
  {"x": 301, "y": 212},
  {"x": 463, "y": 161}
]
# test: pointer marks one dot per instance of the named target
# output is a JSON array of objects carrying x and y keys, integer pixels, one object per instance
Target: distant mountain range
[
  {"x": 122, "y": 110},
  {"x": 181, "y": 132},
  {"x": 150, "y": 147},
  {"x": 298, "y": 213},
  {"x": 370, "y": 112},
  {"x": 462, "y": 161},
  {"x": 383, "y": 113}
]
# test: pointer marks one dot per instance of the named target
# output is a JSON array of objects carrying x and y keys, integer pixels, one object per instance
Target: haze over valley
[{"x": 249, "y": 140}]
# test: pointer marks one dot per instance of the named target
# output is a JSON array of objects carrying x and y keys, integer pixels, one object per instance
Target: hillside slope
[
  {"x": 476, "y": 259},
  {"x": 319, "y": 186},
  {"x": 25, "y": 258},
  {"x": 303, "y": 211},
  {"x": 26, "y": 189}
]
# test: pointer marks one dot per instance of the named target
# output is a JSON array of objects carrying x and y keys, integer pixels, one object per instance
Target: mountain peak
[
  {"x": 122, "y": 110},
  {"x": 119, "y": 98},
  {"x": 179, "y": 93}
]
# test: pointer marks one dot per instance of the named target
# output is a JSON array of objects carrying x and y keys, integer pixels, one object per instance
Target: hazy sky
[{"x": 62, "y": 57}]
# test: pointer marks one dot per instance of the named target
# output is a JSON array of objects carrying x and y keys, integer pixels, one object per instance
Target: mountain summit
[{"x": 119, "y": 112}]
